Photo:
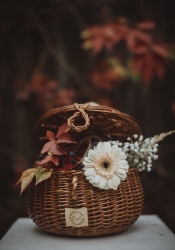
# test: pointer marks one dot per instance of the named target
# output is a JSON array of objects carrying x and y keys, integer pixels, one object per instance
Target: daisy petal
[
  {"x": 123, "y": 164},
  {"x": 92, "y": 155},
  {"x": 97, "y": 179},
  {"x": 121, "y": 173},
  {"x": 89, "y": 171},
  {"x": 115, "y": 151},
  {"x": 100, "y": 148},
  {"x": 116, "y": 180},
  {"x": 107, "y": 147},
  {"x": 110, "y": 184},
  {"x": 122, "y": 156},
  {"x": 102, "y": 183}
]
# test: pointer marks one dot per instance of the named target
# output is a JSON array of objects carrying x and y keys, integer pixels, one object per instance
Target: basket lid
[{"x": 86, "y": 120}]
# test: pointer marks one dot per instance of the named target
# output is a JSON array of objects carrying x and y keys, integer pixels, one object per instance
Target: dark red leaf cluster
[
  {"x": 47, "y": 92},
  {"x": 105, "y": 75},
  {"x": 55, "y": 151},
  {"x": 148, "y": 53},
  {"x": 148, "y": 56},
  {"x": 106, "y": 36}
]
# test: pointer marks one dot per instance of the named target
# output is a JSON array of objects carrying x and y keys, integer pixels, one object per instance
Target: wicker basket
[{"x": 109, "y": 211}]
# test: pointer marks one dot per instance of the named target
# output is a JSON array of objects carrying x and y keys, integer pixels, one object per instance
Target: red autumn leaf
[
  {"x": 149, "y": 58},
  {"x": 149, "y": 65},
  {"x": 106, "y": 36},
  {"x": 137, "y": 41},
  {"x": 160, "y": 50},
  {"x": 52, "y": 158},
  {"x": 107, "y": 74},
  {"x": 146, "y": 25},
  {"x": 65, "y": 138},
  {"x": 47, "y": 146},
  {"x": 50, "y": 136},
  {"x": 62, "y": 129},
  {"x": 53, "y": 148},
  {"x": 56, "y": 150},
  {"x": 52, "y": 144}
]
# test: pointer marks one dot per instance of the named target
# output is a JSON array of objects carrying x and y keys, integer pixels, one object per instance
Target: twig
[
  {"x": 76, "y": 14},
  {"x": 52, "y": 50},
  {"x": 61, "y": 59},
  {"x": 41, "y": 61}
]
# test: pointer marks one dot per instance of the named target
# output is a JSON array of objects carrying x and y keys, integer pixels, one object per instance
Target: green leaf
[
  {"x": 42, "y": 174},
  {"x": 26, "y": 181},
  {"x": 38, "y": 173}
]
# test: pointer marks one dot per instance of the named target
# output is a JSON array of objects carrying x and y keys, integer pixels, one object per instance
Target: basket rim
[
  {"x": 89, "y": 110},
  {"x": 97, "y": 109}
]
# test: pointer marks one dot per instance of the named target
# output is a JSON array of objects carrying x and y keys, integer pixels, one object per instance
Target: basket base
[
  {"x": 83, "y": 232},
  {"x": 109, "y": 211}
]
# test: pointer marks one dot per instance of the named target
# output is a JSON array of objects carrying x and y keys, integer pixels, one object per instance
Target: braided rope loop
[{"x": 81, "y": 111}]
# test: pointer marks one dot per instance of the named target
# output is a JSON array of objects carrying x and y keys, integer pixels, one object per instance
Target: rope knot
[{"x": 81, "y": 111}]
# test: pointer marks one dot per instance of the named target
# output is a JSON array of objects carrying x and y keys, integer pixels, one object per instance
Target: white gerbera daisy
[{"x": 105, "y": 166}]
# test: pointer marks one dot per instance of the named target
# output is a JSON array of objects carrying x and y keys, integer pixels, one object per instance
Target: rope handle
[
  {"x": 81, "y": 111},
  {"x": 74, "y": 186}
]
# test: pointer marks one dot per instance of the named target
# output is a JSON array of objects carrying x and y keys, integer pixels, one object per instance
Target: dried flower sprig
[{"x": 140, "y": 152}]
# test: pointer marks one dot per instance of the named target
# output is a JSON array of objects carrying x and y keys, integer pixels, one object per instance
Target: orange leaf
[
  {"x": 25, "y": 174},
  {"x": 146, "y": 25},
  {"x": 26, "y": 181}
]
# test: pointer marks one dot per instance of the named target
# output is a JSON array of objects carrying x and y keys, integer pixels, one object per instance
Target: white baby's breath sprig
[{"x": 141, "y": 152}]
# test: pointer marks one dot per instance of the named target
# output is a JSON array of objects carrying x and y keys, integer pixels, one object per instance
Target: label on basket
[{"x": 76, "y": 217}]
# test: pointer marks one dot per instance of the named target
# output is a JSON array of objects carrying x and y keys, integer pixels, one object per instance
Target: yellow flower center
[
  {"x": 106, "y": 165},
  {"x": 103, "y": 167}
]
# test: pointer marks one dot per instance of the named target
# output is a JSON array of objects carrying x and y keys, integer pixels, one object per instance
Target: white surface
[{"x": 148, "y": 233}]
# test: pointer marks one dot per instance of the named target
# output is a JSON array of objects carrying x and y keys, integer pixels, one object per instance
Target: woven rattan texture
[
  {"x": 104, "y": 122},
  {"x": 109, "y": 211}
]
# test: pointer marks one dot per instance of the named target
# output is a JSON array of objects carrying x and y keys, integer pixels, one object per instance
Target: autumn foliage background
[{"x": 116, "y": 53}]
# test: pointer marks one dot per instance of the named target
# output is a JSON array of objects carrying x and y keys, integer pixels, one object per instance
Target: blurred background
[{"x": 118, "y": 53}]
